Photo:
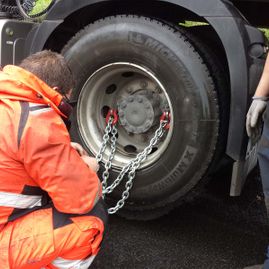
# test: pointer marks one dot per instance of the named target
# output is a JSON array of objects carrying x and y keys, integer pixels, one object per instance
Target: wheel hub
[
  {"x": 140, "y": 99},
  {"x": 136, "y": 113}
]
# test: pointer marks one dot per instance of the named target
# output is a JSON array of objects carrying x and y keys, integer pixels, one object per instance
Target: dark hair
[{"x": 50, "y": 67}]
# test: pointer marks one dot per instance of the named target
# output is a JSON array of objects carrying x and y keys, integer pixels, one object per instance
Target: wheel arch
[{"x": 219, "y": 14}]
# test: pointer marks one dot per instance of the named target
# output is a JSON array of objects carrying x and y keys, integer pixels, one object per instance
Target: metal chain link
[
  {"x": 129, "y": 168},
  {"x": 99, "y": 155},
  {"x": 134, "y": 165},
  {"x": 108, "y": 164}
]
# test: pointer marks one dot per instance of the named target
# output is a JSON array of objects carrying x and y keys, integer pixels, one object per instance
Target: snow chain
[{"x": 133, "y": 165}]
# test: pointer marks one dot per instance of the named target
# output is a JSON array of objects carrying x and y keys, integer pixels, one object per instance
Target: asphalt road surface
[{"x": 214, "y": 231}]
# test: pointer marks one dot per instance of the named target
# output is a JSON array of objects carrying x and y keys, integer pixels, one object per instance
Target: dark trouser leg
[
  {"x": 263, "y": 158},
  {"x": 266, "y": 263}
]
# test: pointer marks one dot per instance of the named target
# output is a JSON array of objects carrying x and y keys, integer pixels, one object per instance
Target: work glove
[{"x": 254, "y": 118}]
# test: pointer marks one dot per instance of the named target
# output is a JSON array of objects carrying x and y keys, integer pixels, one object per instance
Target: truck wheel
[{"x": 143, "y": 67}]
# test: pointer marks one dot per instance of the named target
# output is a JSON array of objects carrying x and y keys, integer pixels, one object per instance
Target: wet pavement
[{"x": 214, "y": 231}]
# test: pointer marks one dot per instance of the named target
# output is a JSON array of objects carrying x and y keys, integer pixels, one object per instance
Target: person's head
[{"x": 52, "y": 68}]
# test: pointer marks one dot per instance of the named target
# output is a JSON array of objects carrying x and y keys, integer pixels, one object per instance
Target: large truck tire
[{"x": 119, "y": 61}]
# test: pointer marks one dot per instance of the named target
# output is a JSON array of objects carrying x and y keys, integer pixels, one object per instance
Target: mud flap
[{"x": 242, "y": 168}]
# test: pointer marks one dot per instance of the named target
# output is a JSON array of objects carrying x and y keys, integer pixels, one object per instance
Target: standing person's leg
[
  {"x": 47, "y": 238},
  {"x": 263, "y": 157},
  {"x": 266, "y": 263}
]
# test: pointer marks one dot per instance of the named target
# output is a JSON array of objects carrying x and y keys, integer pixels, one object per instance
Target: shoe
[{"x": 260, "y": 266}]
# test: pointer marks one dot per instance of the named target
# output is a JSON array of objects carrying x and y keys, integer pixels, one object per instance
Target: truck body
[{"x": 141, "y": 59}]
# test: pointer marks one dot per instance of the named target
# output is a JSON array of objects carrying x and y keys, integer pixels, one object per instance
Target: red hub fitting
[
  {"x": 166, "y": 116},
  {"x": 114, "y": 114}
]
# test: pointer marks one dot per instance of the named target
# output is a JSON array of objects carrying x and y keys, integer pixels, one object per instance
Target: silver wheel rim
[{"x": 103, "y": 90}]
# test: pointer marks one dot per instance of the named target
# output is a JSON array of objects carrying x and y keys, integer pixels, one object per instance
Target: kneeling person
[{"x": 51, "y": 211}]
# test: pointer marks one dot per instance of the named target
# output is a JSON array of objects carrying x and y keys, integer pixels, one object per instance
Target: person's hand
[
  {"x": 91, "y": 162},
  {"x": 253, "y": 121},
  {"x": 79, "y": 149}
]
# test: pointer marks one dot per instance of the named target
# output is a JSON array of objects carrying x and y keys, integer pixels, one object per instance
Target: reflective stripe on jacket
[
  {"x": 21, "y": 201},
  {"x": 37, "y": 162}
]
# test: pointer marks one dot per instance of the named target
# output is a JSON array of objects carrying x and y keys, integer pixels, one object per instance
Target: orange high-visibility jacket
[{"x": 37, "y": 163}]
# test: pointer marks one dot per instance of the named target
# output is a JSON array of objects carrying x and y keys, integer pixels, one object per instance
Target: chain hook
[
  {"x": 166, "y": 117},
  {"x": 114, "y": 114}
]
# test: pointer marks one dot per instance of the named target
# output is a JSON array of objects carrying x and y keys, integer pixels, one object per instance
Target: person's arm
[
  {"x": 258, "y": 105},
  {"x": 56, "y": 167},
  {"x": 263, "y": 86}
]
